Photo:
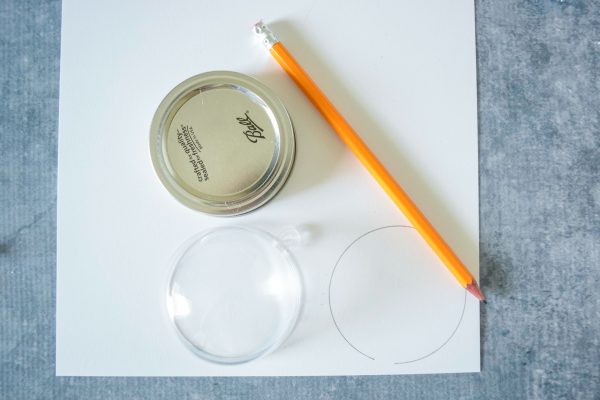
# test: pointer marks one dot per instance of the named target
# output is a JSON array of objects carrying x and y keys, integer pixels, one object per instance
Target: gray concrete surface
[{"x": 539, "y": 112}]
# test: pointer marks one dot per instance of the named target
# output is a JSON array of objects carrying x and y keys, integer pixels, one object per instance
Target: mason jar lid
[{"x": 222, "y": 143}]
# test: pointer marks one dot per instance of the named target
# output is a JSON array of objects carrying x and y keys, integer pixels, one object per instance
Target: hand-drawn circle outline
[{"x": 340, "y": 331}]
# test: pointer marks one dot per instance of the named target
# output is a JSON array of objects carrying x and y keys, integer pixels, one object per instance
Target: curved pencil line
[
  {"x": 335, "y": 321},
  {"x": 333, "y": 273},
  {"x": 447, "y": 340}
]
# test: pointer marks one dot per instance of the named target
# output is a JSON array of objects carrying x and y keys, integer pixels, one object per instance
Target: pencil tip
[{"x": 473, "y": 288}]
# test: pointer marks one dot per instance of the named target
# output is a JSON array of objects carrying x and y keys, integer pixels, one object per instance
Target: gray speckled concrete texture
[{"x": 539, "y": 134}]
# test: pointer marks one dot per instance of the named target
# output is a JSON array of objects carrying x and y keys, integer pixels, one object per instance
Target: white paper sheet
[{"x": 402, "y": 72}]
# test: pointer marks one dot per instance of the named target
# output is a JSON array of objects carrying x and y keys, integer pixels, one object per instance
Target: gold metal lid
[{"x": 222, "y": 143}]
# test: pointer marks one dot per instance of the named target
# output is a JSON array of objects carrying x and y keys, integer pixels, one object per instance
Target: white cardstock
[{"x": 377, "y": 300}]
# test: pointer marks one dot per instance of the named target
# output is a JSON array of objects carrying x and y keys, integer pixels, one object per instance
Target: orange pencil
[{"x": 368, "y": 159}]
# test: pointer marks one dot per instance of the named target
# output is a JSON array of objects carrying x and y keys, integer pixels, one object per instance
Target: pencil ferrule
[{"x": 267, "y": 38}]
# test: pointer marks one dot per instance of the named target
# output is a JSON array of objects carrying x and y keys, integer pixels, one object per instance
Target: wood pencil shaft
[{"x": 373, "y": 165}]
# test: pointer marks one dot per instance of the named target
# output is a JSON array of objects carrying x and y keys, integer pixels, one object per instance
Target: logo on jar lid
[{"x": 253, "y": 132}]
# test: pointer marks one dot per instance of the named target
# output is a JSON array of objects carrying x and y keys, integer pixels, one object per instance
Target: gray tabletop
[{"x": 539, "y": 147}]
